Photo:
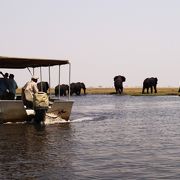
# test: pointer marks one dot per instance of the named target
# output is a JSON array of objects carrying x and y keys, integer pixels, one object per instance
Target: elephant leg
[
  {"x": 147, "y": 90},
  {"x": 117, "y": 91},
  {"x": 61, "y": 92},
  {"x": 143, "y": 90},
  {"x": 151, "y": 89},
  {"x": 77, "y": 93},
  {"x": 121, "y": 89},
  {"x": 72, "y": 92},
  {"x": 155, "y": 90}
]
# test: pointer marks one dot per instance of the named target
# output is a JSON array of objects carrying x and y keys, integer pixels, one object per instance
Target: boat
[{"x": 12, "y": 111}]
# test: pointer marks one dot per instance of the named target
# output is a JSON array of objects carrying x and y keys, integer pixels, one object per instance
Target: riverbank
[
  {"x": 128, "y": 91},
  {"x": 134, "y": 91}
]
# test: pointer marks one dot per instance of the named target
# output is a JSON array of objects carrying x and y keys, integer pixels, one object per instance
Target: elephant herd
[
  {"x": 75, "y": 88},
  {"x": 63, "y": 89},
  {"x": 148, "y": 83}
]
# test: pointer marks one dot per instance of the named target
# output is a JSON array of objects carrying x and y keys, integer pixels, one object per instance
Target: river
[{"x": 109, "y": 137}]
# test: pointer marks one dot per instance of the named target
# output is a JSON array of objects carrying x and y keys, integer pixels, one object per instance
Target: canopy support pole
[
  {"x": 41, "y": 79},
  {"x": 49, "y": 81},
  {"x": 59, "y": 80},
  {"x": 69, "y": 80}
]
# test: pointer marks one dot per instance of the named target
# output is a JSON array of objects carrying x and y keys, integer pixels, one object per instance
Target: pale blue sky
[{"x": 101, "y": 38}]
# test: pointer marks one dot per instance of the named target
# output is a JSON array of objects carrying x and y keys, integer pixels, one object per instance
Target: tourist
[
  {"x": 3, "y": 86},
  {"x": 12, "y": 86},
  {"x": 28, "y": 91}
]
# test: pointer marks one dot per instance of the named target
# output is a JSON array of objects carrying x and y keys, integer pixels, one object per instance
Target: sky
[{"x": 101, "y": 39}]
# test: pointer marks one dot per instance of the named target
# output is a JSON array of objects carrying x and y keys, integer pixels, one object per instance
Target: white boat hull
[
  {"x": 14, "y": 110},
  {"x": 60, "y": 109}
]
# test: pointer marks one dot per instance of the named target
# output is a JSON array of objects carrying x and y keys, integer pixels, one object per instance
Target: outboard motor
[{"x": 41, "y": 104}]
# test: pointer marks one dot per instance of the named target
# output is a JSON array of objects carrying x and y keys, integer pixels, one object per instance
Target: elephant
[
  {"x": 76, "y": 88},
  {"x": 43, "y": 86},
  {"x": 118, "y": 83},
  {"x": 64, "y": 90},
  {"x": 150, "y": 83}
]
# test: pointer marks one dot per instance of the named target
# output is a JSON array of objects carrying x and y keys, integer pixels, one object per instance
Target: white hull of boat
[
  {"x": 60, "y": 109},
  {"x": 14, "y": 111}
]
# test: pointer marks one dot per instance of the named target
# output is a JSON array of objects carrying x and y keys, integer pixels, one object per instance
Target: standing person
[
  {"x": 12, "y": 86},
  {"x": 28, "y": 91},
  {"x": 4, "y": 86},
  {"x": 4, "y": 75}
]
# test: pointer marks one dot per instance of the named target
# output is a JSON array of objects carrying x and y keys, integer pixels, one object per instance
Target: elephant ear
[
  {"x": 123, "y": 78},
  {"x": 115, "y": 78},
  {"x": 156, "y": 79}
]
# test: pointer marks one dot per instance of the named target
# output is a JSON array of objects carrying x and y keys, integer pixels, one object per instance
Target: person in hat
[{"x": 29, "y": 89}]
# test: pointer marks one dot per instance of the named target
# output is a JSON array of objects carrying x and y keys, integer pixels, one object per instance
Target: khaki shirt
[{"x": 31, "y": 86}]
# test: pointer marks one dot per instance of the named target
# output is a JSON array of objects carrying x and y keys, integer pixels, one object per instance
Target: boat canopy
[{"x": 21, "y": 63}]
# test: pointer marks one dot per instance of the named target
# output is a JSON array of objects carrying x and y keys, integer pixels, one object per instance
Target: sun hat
[{"x": 34, "y": 77}]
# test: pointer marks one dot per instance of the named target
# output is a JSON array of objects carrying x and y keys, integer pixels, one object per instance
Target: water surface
[{"x": 109, "y": 137}]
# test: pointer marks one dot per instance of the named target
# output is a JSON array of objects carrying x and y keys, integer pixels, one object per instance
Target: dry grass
[
  {"x": 133, "y": 91},
  {"x": 127, "y": 91},
  {"x": 100, "y": 90}
]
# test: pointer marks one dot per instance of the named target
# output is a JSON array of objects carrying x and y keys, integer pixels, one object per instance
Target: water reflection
[{"x": 29, "y": 151}]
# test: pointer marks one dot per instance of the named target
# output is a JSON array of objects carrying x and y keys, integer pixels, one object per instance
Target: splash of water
[{"x": 82, "y": 119}]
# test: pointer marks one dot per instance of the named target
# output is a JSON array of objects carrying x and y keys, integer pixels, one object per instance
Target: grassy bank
[
  {"x": 127, "y": 91},
  {"x": 133, "y": 91}
]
